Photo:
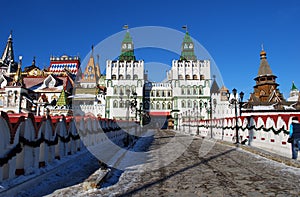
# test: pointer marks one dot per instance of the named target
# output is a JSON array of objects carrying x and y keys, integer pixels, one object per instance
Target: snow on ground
[{"x": 69, "y": 178}]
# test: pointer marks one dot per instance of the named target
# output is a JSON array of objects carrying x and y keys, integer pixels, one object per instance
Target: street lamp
[
  {"x": 189, "y": 121},
  {"x": 236, "y": 101}
]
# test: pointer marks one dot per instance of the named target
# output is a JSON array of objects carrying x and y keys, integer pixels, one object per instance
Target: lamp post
[
  {"x": 236, "y": 101},
  {"x": 189, "y": 121}
]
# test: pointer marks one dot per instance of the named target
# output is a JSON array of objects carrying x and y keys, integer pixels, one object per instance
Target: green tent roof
[{"x": 63, "y": 99}]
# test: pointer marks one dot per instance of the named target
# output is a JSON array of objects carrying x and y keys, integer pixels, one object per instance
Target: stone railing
[
  {"x": 29, "y": 142},
  {"x": 269, "y": 131}
]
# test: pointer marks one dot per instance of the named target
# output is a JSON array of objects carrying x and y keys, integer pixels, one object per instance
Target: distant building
[
  {"x": 63, "y": 64},
  {"x": 89, "y": 94},
  {"x": 294, "y": 94}
]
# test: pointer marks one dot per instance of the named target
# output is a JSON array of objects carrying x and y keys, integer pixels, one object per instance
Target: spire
[
  {"x": 187, "y": 47},
  {"x": 264, "y": 68},
  {"x": 294, "y": 88},
  {"x": 214, "y": 87},
  {"x": 18, "y": 81},
  {"x": 92, "y": 54},
  {"x": 98, "y": 71},
  {"x": 127, "y": 47},
  {"x": 8, "y": 53},
  {"x": 33, "y": 61}
]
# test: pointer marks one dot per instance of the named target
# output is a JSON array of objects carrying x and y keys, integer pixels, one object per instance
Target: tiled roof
[{"x": 29, "y": 82}]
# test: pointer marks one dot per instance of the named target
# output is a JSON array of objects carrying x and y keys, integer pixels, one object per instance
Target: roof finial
[
  {"x": 126, "y": 27},
  {"x": 92, "y": 50},
  {"x": 33, "y": 61},
  {"x": 10, "y": 35},
  {"x": 185, "y": 27},
  {"x": 263, "y": 54}
]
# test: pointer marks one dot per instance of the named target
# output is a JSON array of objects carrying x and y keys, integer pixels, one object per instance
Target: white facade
[
  {"x": 191, "y": 86},
  {"x": 123, "y": 78}
]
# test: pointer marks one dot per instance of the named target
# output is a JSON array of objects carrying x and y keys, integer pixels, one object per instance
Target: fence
[
  {"x": 268, "y": 132},
  {"x": 28, "y": 142}
]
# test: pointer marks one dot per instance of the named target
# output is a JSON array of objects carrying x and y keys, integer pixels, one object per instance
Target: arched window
[
  {"x": 115, "y": 90},
  {"x": 183, "y": 104},
  {"x": 189, "y": 104},
  {"x": 135, "y": 76},
  {"x": 157, "y": 105},
  {"x": 115, "y": 104},
  {"x": 121, "y": 77},
  {"x": 121, "y": 104},
  {"x": 187, "y": 77},
  {"x": 195, "y": 90},
  {"x": 113, "y": 77},
  {"x": 163, "y": 94},
  {"x": 152, "y": 93},
  {"x": 133, "y": 89},
  {"x": 195, "y": 77},
  {"x": 180, "y": 77},
  {"x": 163, "y": 106},
  {"x": 128, "y": 77},
  {"x": 202, "y": 77},
  {"x": 157, "y": 94},
  {"x": 169, "y": 105},
  {"x": 152, "y": 105},
  {"x": 188, "y": 90},
  {"x": 195, "y": 104},
  {"x": 183, "y": 90},
  {"x": 169, "y": 94}
]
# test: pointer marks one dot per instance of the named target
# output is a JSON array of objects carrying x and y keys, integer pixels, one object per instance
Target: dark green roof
[
  {"x": 127, "y": 37},
  {"x": 187, "y": 53},
  {"x": 294, "y": 87}
]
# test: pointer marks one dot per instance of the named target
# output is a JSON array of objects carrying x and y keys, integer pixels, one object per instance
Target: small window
[
  {"x": 128, "y": 77},
  {"x": 195, "y": 77},
  {"x": 135, "y": 76},
  {"x": 187, "y": 77},
  {"x": 180, "y": 77},
  {"x": 169, "y": 105},
  {"x": 157, "y": 106},
  {"x": 113, "y": 77},
  {"x": 115, "y": 104},
  {"x": 183, "y": 104},
  {"x": 121, "y": 104},
  {"x": 121, "y": 77}
]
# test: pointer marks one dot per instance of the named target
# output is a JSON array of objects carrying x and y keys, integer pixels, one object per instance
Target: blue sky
[{"x": 231, "y": 31}]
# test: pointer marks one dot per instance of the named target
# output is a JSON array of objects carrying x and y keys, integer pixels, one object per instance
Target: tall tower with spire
[
  {"x": 7, "y": 61},
  {"x": 190, "y": 79},
  {"x": 124, "y": 79},
  {"x": 266, "y": 89}
]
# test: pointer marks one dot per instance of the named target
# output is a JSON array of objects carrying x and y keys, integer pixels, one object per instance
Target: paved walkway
[{"x": 224, "y": 171}]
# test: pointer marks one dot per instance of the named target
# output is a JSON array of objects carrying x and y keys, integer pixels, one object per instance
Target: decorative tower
[
  {"x": 124, "y": 80},
  {"x": 127, "y": 48},
  {"x": 7, "y": 61},
  {"x": 266, "y": 89},
  {"x": 91, "y": 74},
  {"x": 187, "y": 48}
]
